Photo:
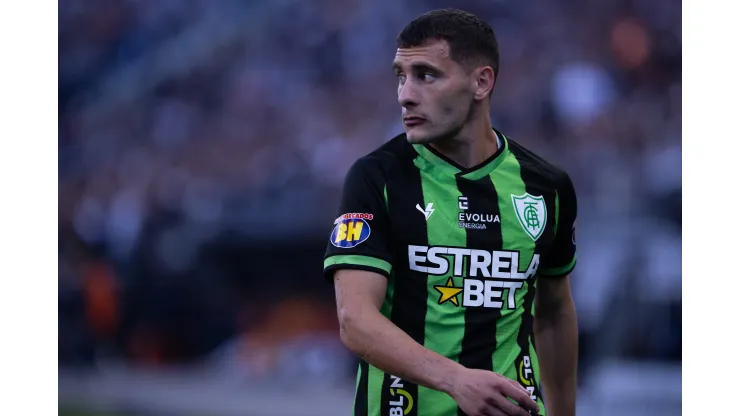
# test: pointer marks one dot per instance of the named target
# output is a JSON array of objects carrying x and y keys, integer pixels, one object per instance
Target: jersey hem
[
  {"x": 361, "y": 259},
  {"x": 329, "y": 270}
]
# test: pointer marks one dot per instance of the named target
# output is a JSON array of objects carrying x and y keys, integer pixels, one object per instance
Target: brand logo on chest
[{"x": 473, "y": 220}]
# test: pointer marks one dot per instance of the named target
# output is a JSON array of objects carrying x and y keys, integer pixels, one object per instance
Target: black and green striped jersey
[{"x": 462, "y": 250}]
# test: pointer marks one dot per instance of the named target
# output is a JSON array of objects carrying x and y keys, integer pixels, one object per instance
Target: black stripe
[
  {"x": 410, "y": 290},
  {"x": 479, "y": 340},
  {"x": 361, "y": 393},
  {"x": 525, "y": 332},
  {"x": 535, "y": 184}
]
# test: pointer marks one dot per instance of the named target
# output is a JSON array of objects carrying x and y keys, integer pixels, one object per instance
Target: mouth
[{"x": 413, "y": 121}]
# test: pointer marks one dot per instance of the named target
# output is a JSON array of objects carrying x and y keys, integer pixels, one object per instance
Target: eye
[
  {"x": 401, "y": 78},
  {"x": 428, "y": 77}
]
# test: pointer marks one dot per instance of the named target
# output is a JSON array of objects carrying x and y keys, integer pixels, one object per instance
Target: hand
[{"x": 485, "y": 393}]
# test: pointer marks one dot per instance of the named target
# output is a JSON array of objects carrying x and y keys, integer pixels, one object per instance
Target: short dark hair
[{"x": 471, "y": 39}]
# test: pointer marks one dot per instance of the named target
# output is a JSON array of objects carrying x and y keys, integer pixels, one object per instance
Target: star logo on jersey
[
  {"x": 531, "y": 213},
  {"x": 448, "y": 292}
]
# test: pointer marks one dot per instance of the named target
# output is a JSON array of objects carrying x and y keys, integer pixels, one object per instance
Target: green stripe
[
  {"x": 385, "y": 196},
  {"x": 554, "y": 271},
  {"x": 375, "y": 385},
  {"x": 358, "y": 260},
  {"x": 431, "y": 159},
  {"x": 510, "y": 372},
  {"x": 445, "y": 323},
  {"x": 508, "y": 182},
  {"x": 357, "y": 386},
  {"x": 541, "y": 404}
]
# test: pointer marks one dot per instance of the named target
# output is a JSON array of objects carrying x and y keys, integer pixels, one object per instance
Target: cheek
[
  {"x": 449, "y": 105},
  {"x": 454, "y": 105},
  {"x": 448, "y": 110}
]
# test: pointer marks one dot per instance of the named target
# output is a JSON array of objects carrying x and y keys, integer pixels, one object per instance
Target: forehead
[{"x": 436, "y": 53}]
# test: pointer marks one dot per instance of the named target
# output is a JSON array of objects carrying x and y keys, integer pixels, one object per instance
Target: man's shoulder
[
  {"x": 536, "y": 166},
  {"x": 381, "y": 160}
]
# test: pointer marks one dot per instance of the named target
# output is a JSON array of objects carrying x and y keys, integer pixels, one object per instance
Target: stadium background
[{"x": 202, "y": 147}]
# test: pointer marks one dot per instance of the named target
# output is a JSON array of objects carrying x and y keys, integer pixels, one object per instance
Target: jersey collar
[{"x": 473, "y": 173}]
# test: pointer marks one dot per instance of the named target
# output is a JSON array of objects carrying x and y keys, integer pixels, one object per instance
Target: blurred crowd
[{"x": 202, "y": 147}]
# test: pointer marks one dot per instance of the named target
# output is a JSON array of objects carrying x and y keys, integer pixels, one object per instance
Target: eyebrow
[{"x": 419, "y": 67}]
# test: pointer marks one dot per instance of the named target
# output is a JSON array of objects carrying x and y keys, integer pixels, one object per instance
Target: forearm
[
  {"x": 556, "y": 336},
  {"x": 381, "y": 343}
]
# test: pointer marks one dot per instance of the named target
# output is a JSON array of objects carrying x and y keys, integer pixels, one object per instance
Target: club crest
[{"x": 531, "y": 213}]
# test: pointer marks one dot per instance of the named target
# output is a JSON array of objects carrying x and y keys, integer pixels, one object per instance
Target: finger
[
  {"x": 489, "y": 409},
  {"x": 521, "y": 396},
  {"x": 498, "y": 412},
  {"x": 494, "y": 411},
  {"x": 517, "y": 385},
  {"x": 502, "y": 404}
]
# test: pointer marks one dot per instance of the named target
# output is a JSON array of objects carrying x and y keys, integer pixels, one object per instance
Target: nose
[{"x": 407, "y": 96}]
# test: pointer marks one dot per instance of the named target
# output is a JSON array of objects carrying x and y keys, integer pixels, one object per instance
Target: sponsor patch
[
  {"x": 350, "y": 230},
  {"x": 354, "y": 215}
]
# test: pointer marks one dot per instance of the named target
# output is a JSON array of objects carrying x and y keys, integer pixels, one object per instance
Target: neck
[{"x": 473, "y": 144}]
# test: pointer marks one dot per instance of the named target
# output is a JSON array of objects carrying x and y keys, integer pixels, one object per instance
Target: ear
[{"x": 484, "y": 80}]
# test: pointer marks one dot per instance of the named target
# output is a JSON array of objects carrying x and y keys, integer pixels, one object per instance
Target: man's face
[{"x": 436, "y": 93}]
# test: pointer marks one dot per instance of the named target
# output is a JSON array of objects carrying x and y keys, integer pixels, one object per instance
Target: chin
[{"x": 417, "y": 137}]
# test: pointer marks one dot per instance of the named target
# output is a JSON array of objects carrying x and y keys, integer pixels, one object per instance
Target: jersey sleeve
[
  {"x": 561, "y": 258},
  {"x": 360, "y": 238}
]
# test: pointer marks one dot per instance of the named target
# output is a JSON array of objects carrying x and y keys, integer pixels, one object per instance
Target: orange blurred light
[{"x": 630, "y": 43}]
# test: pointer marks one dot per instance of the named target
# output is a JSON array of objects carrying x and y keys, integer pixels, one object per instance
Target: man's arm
[
  {"x": 360, "y": 267},
  {"x": 555, "y": 326},
  {"x": 556, "y": 337},
  {"x": 365, "y": 331}
]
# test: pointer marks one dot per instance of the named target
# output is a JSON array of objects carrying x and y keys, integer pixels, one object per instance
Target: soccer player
[{"x": 451, "y": 253}]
